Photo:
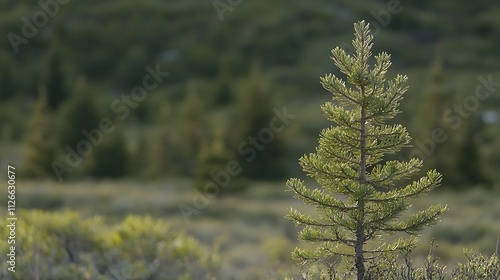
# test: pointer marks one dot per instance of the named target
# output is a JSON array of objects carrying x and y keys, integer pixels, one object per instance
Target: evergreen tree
[
  {"x": 110, "y": 158},
  {"x": 435, "y": 100},
  {"x": 461, "y": 154},
  {"x": 361, "y": 198},
  {"x": 140, "y": 161},
  {"x": 161, "y": 150},
  {"x": 430, "y": 112},
  {"x": 39, "y": 149},
  {"x": 7, "y": 81},
  {"x": 223, "y": 96},
  {"x": 55, "y": 77},
  {"x": 191, "y": 129},
  {"x": 80, "y": 112},
  {"x": 213, "y": 157},
  {"x": 458, "y": 155},
  {"x": 483, "y": 150},
  {"x": 254, "y": 112}
]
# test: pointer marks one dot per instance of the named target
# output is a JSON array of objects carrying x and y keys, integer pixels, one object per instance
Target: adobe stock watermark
[
  {"x": 120, "y": 106},
  {"x": 454, "y": 117},
  {"x": 223, "y": 6},
  {"x": 381, "y": 19},
  {"x": 249, "y": 148},
  {"x": 48, "y": 9}
]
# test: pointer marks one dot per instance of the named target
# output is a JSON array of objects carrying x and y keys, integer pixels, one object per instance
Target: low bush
[
  {"x": 402, "y": 267},
  {"x": 65, "y": 246}
]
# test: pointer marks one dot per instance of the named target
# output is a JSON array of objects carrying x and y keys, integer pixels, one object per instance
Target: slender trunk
[
  {"x": 360, "y": 259},
  {"x": 360, "y": 230}
]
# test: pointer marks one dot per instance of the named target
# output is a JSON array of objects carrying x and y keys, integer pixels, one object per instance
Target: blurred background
[{"x": 74, "y": 72}]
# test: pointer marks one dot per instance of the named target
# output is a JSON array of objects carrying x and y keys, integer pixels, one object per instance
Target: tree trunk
[
  {"x": 360, "y": 230},
  {"x": 360, "y": 259}
]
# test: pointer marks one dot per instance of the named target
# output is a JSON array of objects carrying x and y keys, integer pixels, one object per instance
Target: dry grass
[{"x": 250, "y": 228}]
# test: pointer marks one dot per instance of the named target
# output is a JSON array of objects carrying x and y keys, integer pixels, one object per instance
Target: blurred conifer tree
[
  {"x": 55, "y": 78},
  {"x": 434, "y": 99},
  {"x": 39, "y": 146},
  {"x": 223, "y": 95},
  {"x": 110, "y": 157},
  {"x": 213, "y": 158},
  {"x": 254, "y": 111},
  {"x": 192, "y": 129},
  {"x": 161, "y": 150},
  {"x": 80, "y": 112}
]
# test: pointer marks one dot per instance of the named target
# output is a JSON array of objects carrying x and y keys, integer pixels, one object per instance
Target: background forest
[{"x": 219, "y": 73}]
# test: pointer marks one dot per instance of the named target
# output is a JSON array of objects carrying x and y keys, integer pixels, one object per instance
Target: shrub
[{"x": 65, "y": 246}]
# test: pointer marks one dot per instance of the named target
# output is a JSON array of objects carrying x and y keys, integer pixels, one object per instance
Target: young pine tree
[{"x": 361, "y": 197}]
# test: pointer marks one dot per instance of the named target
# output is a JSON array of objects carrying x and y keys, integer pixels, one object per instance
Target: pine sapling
[{"x": 361, "y": 197}]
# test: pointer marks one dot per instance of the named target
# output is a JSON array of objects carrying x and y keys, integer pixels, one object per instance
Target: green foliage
[
  {"x": 321, "y": 272},
  {"x": 478, "y": 267},
  {"x": 80, "y": 112},
  {"x": 434, "y": 99},
  {"x": 214, "y": 157},
  {"x": 39, "y": 145},
  {"x": 391, "y": 267},
  {"x": 65, "y": 246},
  {"x": 361, "y": 198},
  {"x": 12, "y": 121},
  {"x": 192, "y": 129},
  {"x": 468, "y": 157},
  {"x": 161, "y": 153},
  {"x": 254, "y": 110},
  {"x": 489, "y": 150},
  {"x": 110, "y": 157},
  {"x": 458, "y": 155},
  {"x": 197, "y": 46},
  {"x": 56, "y": 78},
  {"x": 223, "y": 92},
  {"x": 7, "y": 85}
]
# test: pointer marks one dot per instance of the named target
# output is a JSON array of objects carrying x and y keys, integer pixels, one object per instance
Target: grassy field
[{"x": 254, "y": 238}]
